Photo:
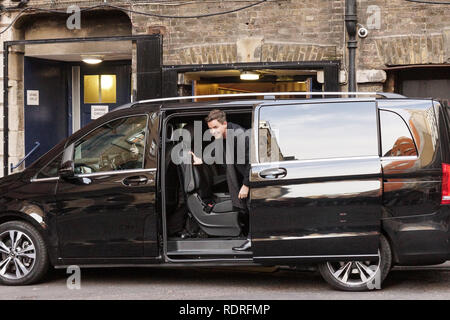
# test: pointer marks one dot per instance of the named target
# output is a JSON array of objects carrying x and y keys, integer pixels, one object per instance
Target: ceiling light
[
  {"x": 92, "y": 60},
  {"x": 246, "y": 75}
]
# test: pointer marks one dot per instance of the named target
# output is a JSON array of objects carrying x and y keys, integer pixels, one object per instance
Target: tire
[
  {"x": 357, "y": 278},
  {"x": 26, "y": 262}
]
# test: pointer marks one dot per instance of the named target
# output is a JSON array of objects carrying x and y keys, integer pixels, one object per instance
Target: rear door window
[
  {"x": 317, "y": 131},
  {"x": 396, "y": 139}
]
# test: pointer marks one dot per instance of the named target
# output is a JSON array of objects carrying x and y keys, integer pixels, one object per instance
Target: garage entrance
[
  {"x": 236, "y": 78},
  {"x": 263, "y": 80},
  {"x": 422, "y": 82}
]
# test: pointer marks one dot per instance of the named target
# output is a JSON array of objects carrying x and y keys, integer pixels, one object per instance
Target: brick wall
[
  {"x": 292, "y": 29},
  {"x": 409, "y": 33}
]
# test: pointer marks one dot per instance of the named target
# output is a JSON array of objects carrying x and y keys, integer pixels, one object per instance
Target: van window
[
  {"x": 317, "y": 131},
  {"x": 51, "y": 169},
  {"x": 396, "y": 139},
  {"x": 117, "y": 145}
]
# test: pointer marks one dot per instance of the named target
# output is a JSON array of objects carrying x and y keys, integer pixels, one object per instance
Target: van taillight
[{"x": 445, "y": 183}]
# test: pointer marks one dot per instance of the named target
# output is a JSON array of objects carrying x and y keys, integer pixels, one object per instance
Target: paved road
[{"x": 161, "y": 283}]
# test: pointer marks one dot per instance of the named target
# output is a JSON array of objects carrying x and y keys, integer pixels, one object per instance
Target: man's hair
[{"x": 216, "y": 114}]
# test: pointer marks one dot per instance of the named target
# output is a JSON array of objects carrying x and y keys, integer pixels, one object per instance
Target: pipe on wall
[
  {"x": 5, "y": 109},
  {"x": 351, "y": 20}
]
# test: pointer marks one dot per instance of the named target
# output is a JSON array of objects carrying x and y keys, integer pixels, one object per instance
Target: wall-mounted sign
[
  {"x": 33, "y": 97},
  {"x": 98, "y": 111}
]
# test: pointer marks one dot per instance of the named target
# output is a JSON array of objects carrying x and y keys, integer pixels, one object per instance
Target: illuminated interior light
[{"x": 249, "y": 76}]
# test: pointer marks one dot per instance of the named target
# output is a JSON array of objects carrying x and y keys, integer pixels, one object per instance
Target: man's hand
[
  {"x": 196, "y": 159},
  {"x": 243, "y": 193}
]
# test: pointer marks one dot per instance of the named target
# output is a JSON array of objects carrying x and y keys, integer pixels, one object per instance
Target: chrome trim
[
  {"x": 110, "y": 173},
  {"x": 255, "y": 119},
  {"x": 400, "y": 158},
  {"x": 319, "y": 236},
  {"x": 314, "y": 160},
  {"x": 44, "y": 179},
  {"x": 95, "y": 174},
  {"x": 318, "y": 256},
  {"x": 269, "y": 94},
  {"x": 197, "y": 263},
  {"x": 200, "y": 260}
]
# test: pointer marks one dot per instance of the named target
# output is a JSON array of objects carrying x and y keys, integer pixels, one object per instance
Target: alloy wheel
[
  {"x": 354, "y": 273},
  {"x": 17, "y": 254}
]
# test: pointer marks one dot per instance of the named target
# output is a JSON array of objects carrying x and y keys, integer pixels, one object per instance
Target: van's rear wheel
[
  {"x": 359, "y": 275},
  {"x": 23, "y": 254}
]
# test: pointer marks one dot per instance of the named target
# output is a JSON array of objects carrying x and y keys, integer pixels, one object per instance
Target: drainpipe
[
  {"x": 5, "y": 109},
  {"x": 352, "y": 44}
]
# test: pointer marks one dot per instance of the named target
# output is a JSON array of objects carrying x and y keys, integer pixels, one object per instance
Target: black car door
[
  {"x": 107, "y": 210},
  {"x": 316, "y": 182}
]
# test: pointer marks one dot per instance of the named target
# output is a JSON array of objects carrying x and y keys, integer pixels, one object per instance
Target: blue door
[{"x": 46, "y": 106}]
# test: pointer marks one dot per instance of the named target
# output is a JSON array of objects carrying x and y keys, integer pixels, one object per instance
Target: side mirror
[{"x": 67, "y": 168}]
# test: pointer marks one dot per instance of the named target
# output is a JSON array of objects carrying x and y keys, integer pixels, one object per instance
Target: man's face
[{"x": 217, "y": 129}]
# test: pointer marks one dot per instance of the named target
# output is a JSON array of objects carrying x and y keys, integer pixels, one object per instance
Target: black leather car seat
[{"x": 215, "y": 216}]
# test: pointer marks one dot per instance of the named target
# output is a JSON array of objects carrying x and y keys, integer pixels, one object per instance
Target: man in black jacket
[{"x": 236, "y": 161}]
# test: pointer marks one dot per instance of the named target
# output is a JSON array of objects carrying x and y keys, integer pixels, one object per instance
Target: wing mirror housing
[{"x": 67, "y": 168}]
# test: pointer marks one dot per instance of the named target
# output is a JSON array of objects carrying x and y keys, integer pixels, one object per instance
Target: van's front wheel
[
  {"x": 23, "y": 254},
  {"x": 359, "y": 275}
]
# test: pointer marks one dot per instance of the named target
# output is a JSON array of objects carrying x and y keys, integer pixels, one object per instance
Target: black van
[{"x": 354, "y": 185}]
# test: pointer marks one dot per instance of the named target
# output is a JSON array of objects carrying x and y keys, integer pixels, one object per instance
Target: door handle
[
  {"x": 273, "y": 173},
  {"x": 135, "y": 180}
]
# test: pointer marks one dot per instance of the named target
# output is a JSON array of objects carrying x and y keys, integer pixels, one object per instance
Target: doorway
[
  {"x": 110, "y": 48},
  {"x": 422, "y": 82},
  {"x": 63, "y": 96},
  {"x": 259, "y": 80},
  {"x": 199, "y": 221}
]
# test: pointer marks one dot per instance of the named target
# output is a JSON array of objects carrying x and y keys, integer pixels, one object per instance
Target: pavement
[{"x": 412, "y": 283}]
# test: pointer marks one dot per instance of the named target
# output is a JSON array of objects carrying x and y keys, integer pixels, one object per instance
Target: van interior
[{"x": 200, "y": 220}]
